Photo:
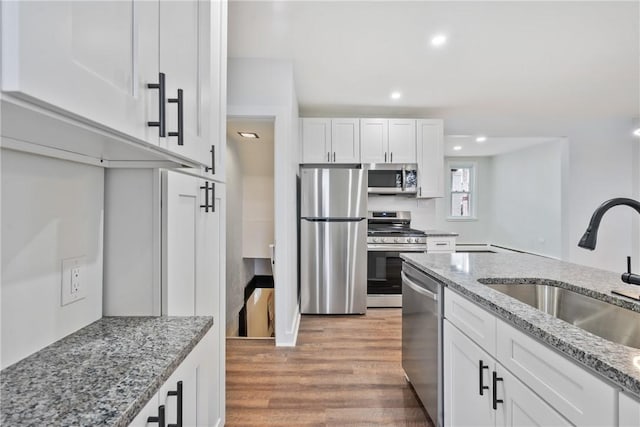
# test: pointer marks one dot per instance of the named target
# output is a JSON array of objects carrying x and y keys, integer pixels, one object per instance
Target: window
[{"x": 461, "y": 191}]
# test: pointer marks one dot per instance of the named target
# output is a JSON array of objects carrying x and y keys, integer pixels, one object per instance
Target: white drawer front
[
  {"x": 476, "y": 323},
  {"x": 441, "y": 244},
  {"x": 581, "y": 397}
]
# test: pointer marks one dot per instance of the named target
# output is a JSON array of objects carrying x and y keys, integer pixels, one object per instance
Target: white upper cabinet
[
  {"x": 388, "y": 140},
  {"x": 330, "y": 140},
  {"x": 430, "y": 148},
  {"x": 316, "y": 140},
  {"x": 87, "y": 59},
  {"x": 103, "y": 64},
  {"x": 374, "y": 140},
  {"x": 402, "y": 141},
  {"x": 184, "y": 59}
]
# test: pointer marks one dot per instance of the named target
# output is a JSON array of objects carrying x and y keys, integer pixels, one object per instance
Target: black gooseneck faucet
[{"x": 589, "y": 238}]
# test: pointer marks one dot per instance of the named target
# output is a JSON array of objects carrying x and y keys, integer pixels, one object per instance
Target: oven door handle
[{"x": 417, "y": 288}]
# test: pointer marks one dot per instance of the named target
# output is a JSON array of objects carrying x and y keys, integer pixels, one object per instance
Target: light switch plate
[{"x": 74, "y": 281}]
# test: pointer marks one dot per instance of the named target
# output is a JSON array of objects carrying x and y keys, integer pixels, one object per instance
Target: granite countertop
[
  {"x": 438, "y": 233},
  {"x": 102, "y": 374},
  {"x": 460, "y": 271}
]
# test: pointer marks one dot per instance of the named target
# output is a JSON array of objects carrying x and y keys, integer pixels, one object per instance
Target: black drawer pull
[
  {"x": 159, "y": 419},
  {"x": 161, "y": 123},
  {"x": 178, "y": 394},
  {"x": 495, "y": 390},
  {"x": 180, "y": 132},
  {"x": 481, "y": 368}
]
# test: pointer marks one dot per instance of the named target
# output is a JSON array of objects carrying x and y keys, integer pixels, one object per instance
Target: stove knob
[
  {"x": 411, "y": 240},
  {"x": 376, "y": 239},
  {"x": 397, "y": 240}
]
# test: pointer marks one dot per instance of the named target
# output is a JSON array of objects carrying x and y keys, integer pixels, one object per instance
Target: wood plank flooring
[{"x": 344, "y": 371}]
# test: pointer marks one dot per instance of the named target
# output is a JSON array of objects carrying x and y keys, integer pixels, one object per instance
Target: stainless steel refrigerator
[{"x": 333, "y": 241}]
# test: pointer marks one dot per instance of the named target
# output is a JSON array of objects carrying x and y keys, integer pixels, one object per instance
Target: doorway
[{"x": 250, "y": 227}]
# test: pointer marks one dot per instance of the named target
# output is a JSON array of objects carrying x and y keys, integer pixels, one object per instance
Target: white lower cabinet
[
  {"x": 147, "y": 413},
  {"x": 441, "y": 244},
  {"x": 496, "y": 375},
  {"x": 185, "y": 396},
  {"x": 480, "y": 392},
  {"x": 629, "y": 411}
]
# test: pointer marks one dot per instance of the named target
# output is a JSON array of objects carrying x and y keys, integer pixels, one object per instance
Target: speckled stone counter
[
  {"x": 460, "y": 271},
  {"x": 102, "y": 374},
  {"x": 437, "y": 233}
]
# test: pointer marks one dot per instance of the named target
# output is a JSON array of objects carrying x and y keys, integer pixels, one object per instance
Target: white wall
[
  {"x": 257, "y": 215},
  {"x": 51, "y": 210},
  {"x": 265, "y": 88},
  {"x": 527, "y": 199},
  {"x": 599, "y": 166}
]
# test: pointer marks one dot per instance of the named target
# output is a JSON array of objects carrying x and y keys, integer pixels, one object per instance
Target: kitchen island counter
[
  {"x": 103, "y": 374},
  {"x": 460, "y": 272}
]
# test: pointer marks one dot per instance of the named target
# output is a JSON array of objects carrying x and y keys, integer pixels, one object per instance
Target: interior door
[
  {"x": 184, "y": 58},
  {"x": 89, "y": 59},
  {"x": 181, "y": 220}
]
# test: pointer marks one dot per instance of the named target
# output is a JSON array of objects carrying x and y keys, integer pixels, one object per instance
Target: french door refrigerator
[{"x": 333, "y": 241}]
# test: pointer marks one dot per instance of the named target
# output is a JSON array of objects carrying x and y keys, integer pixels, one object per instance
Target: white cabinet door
[
  {"x": 90, "y": 60},
  {"x": 430, "y": 151},
  {"x": 464, "y": 379},
  {"x": 345, "y": 141},
  {"x": 181, "y": 209},
  {"x": 149, "y": 410},
  {"x": 192, "y": 380},
  {"x": 374, "y": 140},
  {"x": 316, "y": 140},
  {"x": 402, "y": 141},
  {"x": 520, "y": 406},
  {"x": 185, "y": 39},
  {"x": 629, "y": 414}
]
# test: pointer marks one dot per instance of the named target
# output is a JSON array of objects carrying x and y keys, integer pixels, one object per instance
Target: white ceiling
[
  {"x": 507, "y": 66},
  {"x": 256, "y": 155}
]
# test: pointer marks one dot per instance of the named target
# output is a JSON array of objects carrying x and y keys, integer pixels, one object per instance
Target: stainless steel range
[{"x": 389, "y": 234}]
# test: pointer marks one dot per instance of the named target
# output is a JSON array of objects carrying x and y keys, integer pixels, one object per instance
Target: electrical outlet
[{"x": 73, "y": 284}]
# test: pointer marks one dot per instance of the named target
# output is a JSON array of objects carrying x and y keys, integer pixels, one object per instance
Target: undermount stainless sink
[{"x": 605, "y": 320}]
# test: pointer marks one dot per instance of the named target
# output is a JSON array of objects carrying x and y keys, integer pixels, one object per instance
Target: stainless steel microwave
[{"x": 392, "y": 179}]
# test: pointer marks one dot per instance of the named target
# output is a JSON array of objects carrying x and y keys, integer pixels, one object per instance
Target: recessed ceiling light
[
  {"x": 252, "y": 135},
  {"x": 438, "y": 40},
  {"x": 481, "y": 138},
  {"x": 636, "y": 132},
  {"x": 396, "y": 95},
  {"x": 457, "y": 148}
]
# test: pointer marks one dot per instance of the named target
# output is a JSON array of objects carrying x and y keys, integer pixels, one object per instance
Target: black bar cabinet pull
[
  {"x": 213, "y": 161},
  {"x": 178, "y": 394},
  {"x": 206, "y": 196},
  {"x": 161, "y": 123},
  {"x": 391, "y": 157},
  {"x": 481, "y": 368},
  {"x": 385, "y": 157},
  {"x": 206, "y": 189},
  {"x": 159, "y": 419},
  {"x": 180, "y": 132},
  {"x": 328, "y": 157},
  {"x": 334, "y": 157},
  {"x": 495, "y": 390}
]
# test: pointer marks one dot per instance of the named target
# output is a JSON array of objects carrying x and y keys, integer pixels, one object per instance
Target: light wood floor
[{"x": 345, "y": 370}]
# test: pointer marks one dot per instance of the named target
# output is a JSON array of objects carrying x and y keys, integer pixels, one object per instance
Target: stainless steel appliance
[
  {"x": 422, "y": 309},
  {"x": 392, "y": 179},
  {"x": 389, "y": 234},
  {"x": 333, "y": 251}
]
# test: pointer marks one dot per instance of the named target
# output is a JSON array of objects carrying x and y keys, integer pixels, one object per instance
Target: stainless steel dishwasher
[{"x": 422, "y": 338}]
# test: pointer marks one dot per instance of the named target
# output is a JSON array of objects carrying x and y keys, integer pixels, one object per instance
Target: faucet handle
[{"x": 628, "y": 277}]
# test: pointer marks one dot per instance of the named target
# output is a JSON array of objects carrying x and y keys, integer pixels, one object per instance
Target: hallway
[{"x": 345, "y": 370}]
